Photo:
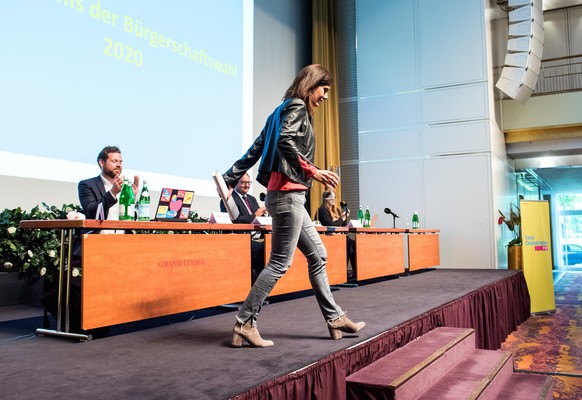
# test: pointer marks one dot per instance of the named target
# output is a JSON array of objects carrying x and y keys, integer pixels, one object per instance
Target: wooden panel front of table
[
  {"x": 134, "y": 277},
  {"x": 297, "y": 278},
  {"x": 379, "y": 252},
  {"x": 423, "y": 249},
  {"x": 131, "y": 277}
]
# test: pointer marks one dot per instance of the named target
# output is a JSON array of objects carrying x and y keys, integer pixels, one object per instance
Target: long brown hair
[
  {"x": 334, "y": 211},
  {"x": 308, "y": 79}
]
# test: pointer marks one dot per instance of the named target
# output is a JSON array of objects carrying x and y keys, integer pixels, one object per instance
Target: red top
[{"x": 280, "y": 181}]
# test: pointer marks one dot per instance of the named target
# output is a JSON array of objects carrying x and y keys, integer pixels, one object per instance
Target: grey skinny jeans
[{"x": 292, "y": 228}]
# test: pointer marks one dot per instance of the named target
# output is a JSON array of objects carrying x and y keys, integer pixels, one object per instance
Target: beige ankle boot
[
  {"x": 250, "y": 334},
  {"x": 343, "y": 324}
]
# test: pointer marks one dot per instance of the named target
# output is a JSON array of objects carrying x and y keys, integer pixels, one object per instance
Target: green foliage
[
  {"x": 32, "y": 252},
  {"x": 194, "y": 217},
  {"x": 35, "y": 252},
  {"x": 570, "y": 201}
]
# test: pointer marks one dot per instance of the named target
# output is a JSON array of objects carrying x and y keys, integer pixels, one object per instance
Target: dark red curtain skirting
[{"x": 494, "y": 311}]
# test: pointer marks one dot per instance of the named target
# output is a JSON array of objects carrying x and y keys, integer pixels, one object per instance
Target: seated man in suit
[
  {"x": 247, "y": 204},
  {"x": 104, "y": 189},
  {"x": 248, "y": 209}
]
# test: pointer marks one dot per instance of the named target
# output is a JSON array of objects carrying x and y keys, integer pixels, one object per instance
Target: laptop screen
[{"x": 174, "y": 204}]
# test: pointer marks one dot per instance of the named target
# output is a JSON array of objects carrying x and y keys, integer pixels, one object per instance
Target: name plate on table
[
  {"x": 219, "y": 218},
  {"x": 354, "y": 223},
  {"x": 263, "y": 221}
]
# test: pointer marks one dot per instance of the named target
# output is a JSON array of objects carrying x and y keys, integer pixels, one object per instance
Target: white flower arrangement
[{"x": 32, "y": 252}]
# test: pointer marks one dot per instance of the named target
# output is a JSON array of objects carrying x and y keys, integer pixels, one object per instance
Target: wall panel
[
  {"x": 575, "y": 27},
  {"x": 455, "y": 138},
  {"x": 456, "y": 103},
  {"x": 388, "y": 112},
  {"x": 451, "y": 40},
  {"x": 555, "y": 34},
  {"x": 461, "y": 208},
  {"x": 393, "y": 184},
  {"x": 383, "y": 145},
  {"x": 386, "y": 46}
]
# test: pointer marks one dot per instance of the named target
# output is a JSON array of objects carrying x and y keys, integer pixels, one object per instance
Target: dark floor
[{"x": 187, "y": 356}]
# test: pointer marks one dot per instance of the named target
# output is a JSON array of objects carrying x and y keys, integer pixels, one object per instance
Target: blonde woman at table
[
  {"x": 328, "y": 214},
  {"x": 286, "y": 148}
]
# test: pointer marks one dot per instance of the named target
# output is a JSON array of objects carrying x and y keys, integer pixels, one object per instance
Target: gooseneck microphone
[
  {"x": 344, "y": 206},
  {"x": 389, "y": 211},
  {"x": 262, "y": 196}
]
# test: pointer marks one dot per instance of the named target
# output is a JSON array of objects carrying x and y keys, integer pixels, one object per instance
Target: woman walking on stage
[{"x": 286, "y": 147}]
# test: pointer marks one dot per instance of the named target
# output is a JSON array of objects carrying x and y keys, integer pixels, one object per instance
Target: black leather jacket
[{"x": 287, "y": 135}]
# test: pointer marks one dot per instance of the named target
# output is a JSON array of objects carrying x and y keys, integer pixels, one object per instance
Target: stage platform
[{"x": 192, "y": 359}]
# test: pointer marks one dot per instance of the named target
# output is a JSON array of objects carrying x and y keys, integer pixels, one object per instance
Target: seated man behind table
[
  {"x": 103, "y": 189},
  {"x": 329, "y": 215},
  {"x": 247, "y": 213}
]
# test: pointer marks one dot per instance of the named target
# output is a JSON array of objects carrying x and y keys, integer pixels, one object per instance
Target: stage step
[
  {"x": 444, "y": 364},
  {"x": 528, "y": 387}
]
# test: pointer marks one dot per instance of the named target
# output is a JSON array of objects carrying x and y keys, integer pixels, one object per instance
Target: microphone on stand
[
  {"x": 389, "y": 211},
  {"x": 344, "y": 206},
  {"x": 394, "y": 216}
]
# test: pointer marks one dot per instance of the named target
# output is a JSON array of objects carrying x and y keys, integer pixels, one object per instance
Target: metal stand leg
[{"x": 63, "y": 317}]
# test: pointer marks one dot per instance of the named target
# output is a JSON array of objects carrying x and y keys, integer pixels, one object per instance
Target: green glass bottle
[
  {"x": 415, "y": 220},
  {"x": 126, "y": 202},
  {"x": 143, "y": 204},
  {"x": 367, "y": 218},
  {"x": 361, "y": 216}
]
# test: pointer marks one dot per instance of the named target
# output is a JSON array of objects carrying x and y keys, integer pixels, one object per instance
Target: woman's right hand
[{"x": 328, "y": 178}]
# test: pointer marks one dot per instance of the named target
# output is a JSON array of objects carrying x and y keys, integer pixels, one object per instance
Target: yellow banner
[{"x": 536, "y": 245}]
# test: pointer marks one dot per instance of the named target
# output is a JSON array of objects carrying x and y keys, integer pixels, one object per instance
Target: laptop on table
[{"x": 174, "y": 205}]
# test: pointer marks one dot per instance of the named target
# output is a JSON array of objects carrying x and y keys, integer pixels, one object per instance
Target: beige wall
[{"x": 543, "y": 111}]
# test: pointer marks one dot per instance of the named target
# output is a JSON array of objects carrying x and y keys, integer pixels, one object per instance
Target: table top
[
  {"x": 190, "y": 226},
  {"x": 132, "y": 225}
]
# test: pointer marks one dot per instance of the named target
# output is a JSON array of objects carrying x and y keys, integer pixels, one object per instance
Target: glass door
[{"x": 569, "y": 244}]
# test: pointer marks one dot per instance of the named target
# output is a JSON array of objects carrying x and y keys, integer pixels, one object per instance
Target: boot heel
[
  {"x": 335, "y": 334},
  {"x": 237, "y": 340},
  {"x": 249, "y": 334},
  {"x": 343, "y": 324}
]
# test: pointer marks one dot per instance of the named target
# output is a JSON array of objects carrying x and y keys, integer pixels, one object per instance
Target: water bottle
[
  {"x": 126, "y": 202},
  {"x": 143, "y": 204},
  {"x": 415, "y": 220},
  {"x": 367, "y": 218},
  {"x": 361, "y": 216}
]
